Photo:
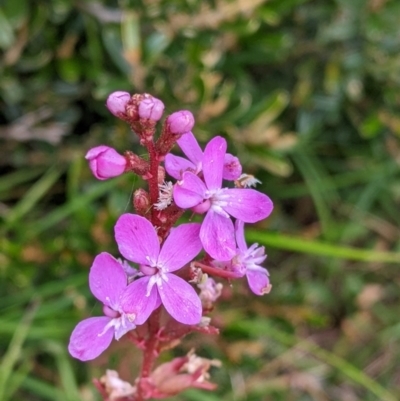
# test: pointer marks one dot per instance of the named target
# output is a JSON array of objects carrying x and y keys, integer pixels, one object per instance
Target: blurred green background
[{"x": 307, "y": 94}]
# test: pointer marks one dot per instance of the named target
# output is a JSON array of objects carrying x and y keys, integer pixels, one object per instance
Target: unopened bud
[
  {"x": 141, "y": 202},
  {"x": 116, "y": 103},
  {"x": 136, "y": 164},
  {"x": 105, "y": 162},
  {"x": 150, "y": 108},
  {"x": 180, "y": 122},
  {"x": 161, "y": 175}
]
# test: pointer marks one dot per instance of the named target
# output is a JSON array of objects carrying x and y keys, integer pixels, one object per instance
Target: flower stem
[{"x": 151, "y": 351}]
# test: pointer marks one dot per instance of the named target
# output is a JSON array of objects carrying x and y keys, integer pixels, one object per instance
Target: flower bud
[
  {"x": 105, "y": 162},
  {"x": 116, "y": 103},
  {"x": 150, "y": 108},
  {"x": 141, "y": 202},
  {"x": 180, "y": 122}
]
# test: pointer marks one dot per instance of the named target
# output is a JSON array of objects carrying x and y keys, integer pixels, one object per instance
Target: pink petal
[
  {"x": 191, "y": 148},
  {"x": 213, "y": 162},
  {"x": 107, "y": 280},
  {"x": 181, "y": 247},
  {"x": 239, "y": 234},
  {"x": 135, "y": 302},
  {"x": 180, "y": 300},
  {"x": 190, "y": 191},
  {"x": 176, "y": 166},
  {"x": 232, "y": 168},
  {"x": 248, "y": 205},
  {"x": 89, "y": 340},
  {"x": 137, "y": 239},
  {"x": 258, "y": 281},
  {"x": 217, "y": 236},
  {"x": 96, "y": 151}
]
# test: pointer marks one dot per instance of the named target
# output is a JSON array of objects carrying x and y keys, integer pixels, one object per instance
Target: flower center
[
  {"x": 111, "y": 313},
  {"x": 148, "y": 270}
]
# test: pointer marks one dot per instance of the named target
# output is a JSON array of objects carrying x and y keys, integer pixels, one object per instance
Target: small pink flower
[
  {"x": 219, "y": 204},
  {"x": 176, "y": 166},
  {"x": 116, "y": 103},
  {"x": 247, "y": 261},
  {"x": 138, "y": 242},
  {"x": 180, "y": 122},
  {"x": 92, "y": 336},
  {"x": 150, "y": 108},
  {"x": 105, "y": 162}
]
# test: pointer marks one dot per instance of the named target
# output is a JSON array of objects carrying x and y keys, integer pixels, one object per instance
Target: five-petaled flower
[
  {"x": 208, "y": 196},
  {"x": 138, "y": 242}
]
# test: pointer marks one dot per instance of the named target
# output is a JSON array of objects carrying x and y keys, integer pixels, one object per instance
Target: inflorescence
[{"x": 150, "y": 296}]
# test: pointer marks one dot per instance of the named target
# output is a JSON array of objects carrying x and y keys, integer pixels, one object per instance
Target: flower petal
[
  {"x": 135, "y": 302},
  {"x": 107, "y": 279},
  {"x": 189, "y": 191},
  {"x": 176, "y": 166},
  {"x": 239, "y": 234},
  {"x": 258, "y": 281},
  {"x": 213, "y": 162},
  {"x": 191, "y": 148},
  {"x": 248, "y": 205},
  {"x": 182, "y": 245},
  {"x": 89, "y": 340},
  {"x": 217, "y": 236},
  {"x": 180, "y": 300},
  {"x": 232, "y": 168},
  {"x": 137, "y": 239}
]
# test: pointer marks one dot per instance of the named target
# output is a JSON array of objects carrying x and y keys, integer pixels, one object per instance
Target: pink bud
[
  {"x": 116, "y": 103},
  {"x": 180, "y": 122},
  {"x": 105, "y": 162},
  {"x": 150, "y": 108},
  {"x": 232, "y": 167}
]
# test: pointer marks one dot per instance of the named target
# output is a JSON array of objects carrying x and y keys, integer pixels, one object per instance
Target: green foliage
[{"x": 306, "y": 92}]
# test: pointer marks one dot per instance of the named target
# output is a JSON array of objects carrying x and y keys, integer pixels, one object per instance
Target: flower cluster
[{"x": 151, "y": 293}]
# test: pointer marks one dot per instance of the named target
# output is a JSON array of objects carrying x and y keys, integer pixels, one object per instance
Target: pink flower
[
  {"x": 138, "y": 242},
  {"x": 247, "y": 262},
  {"x": 248, "y": 205},
  {"x": 105, "y": 162},
  {"x": 92, "y": 336},
  {"x": 176, "y": 165}
]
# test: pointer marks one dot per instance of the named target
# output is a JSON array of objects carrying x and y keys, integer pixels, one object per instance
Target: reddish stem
[
  {"x": 153, "y": 181},
  {"x": 151, "y": 350},
  {"x": 215, "y": 271}
]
